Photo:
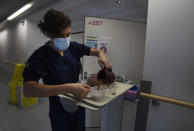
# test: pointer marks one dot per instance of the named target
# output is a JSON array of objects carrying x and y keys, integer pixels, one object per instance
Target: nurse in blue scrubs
[{"x": 57, "y": 62}]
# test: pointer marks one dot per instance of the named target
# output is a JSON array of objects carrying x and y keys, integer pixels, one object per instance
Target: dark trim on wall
[
  {"x": 143, "y": 107},
  {"x": 117, "y": 19},
  {"x": 79, "y": 32}
]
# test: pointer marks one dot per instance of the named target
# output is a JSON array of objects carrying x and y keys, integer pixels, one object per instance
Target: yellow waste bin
[
  {"x": 23, "y": 101},
  {"x": 16, "y": 89},
  {"x": 17, "y": 75}
]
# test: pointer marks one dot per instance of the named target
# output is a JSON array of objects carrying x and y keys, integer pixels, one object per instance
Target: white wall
[
  {"x": 35, "y": 38},
  {"x": 125, "y": 48},
  {"x": 169, "y": 62},
  {"x": 12, "y": 42},
  {"x": 17, "y": 42},
  {"x": 12, "y": 48}
]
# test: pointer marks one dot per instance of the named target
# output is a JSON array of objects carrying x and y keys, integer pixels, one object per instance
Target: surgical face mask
[{"x": 62, "y": 44}]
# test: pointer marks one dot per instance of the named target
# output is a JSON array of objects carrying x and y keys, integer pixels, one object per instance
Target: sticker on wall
[
  {"x": 97, "y": 23},
  {"x": 91, "y": 41},
  {"x": 103, "y": 46}
]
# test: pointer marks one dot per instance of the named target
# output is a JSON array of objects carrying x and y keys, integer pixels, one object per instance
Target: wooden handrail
[{"x": 168, "y": 100}]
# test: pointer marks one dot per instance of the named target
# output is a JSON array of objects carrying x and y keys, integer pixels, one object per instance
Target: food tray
[{"x": 93, "y": 104}]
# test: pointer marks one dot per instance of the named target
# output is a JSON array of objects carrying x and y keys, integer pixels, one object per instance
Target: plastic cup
[{"x": 98, "y": 94}]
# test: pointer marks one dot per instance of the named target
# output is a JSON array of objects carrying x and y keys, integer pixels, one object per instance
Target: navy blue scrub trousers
[{"x": 65, "y": 121}]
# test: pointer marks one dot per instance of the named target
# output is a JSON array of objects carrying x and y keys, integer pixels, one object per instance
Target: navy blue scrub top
[{"x": 54, "y": 69}]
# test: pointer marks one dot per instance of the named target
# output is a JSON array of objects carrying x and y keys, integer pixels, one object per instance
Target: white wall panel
[{"x": 169, "y": 62}]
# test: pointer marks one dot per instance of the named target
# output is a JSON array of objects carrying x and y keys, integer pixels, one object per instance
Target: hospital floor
[{"x": 34, "y": 118}]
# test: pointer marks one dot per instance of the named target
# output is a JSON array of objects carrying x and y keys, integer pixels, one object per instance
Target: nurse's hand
[
  {"x": 103, "y": 61},
  {"x": 80, "y": 90}
]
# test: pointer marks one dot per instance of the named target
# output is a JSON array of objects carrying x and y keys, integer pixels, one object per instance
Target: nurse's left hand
[
  {"x": 79, "y": 90},
  {"x": 103, "y": 61}
]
